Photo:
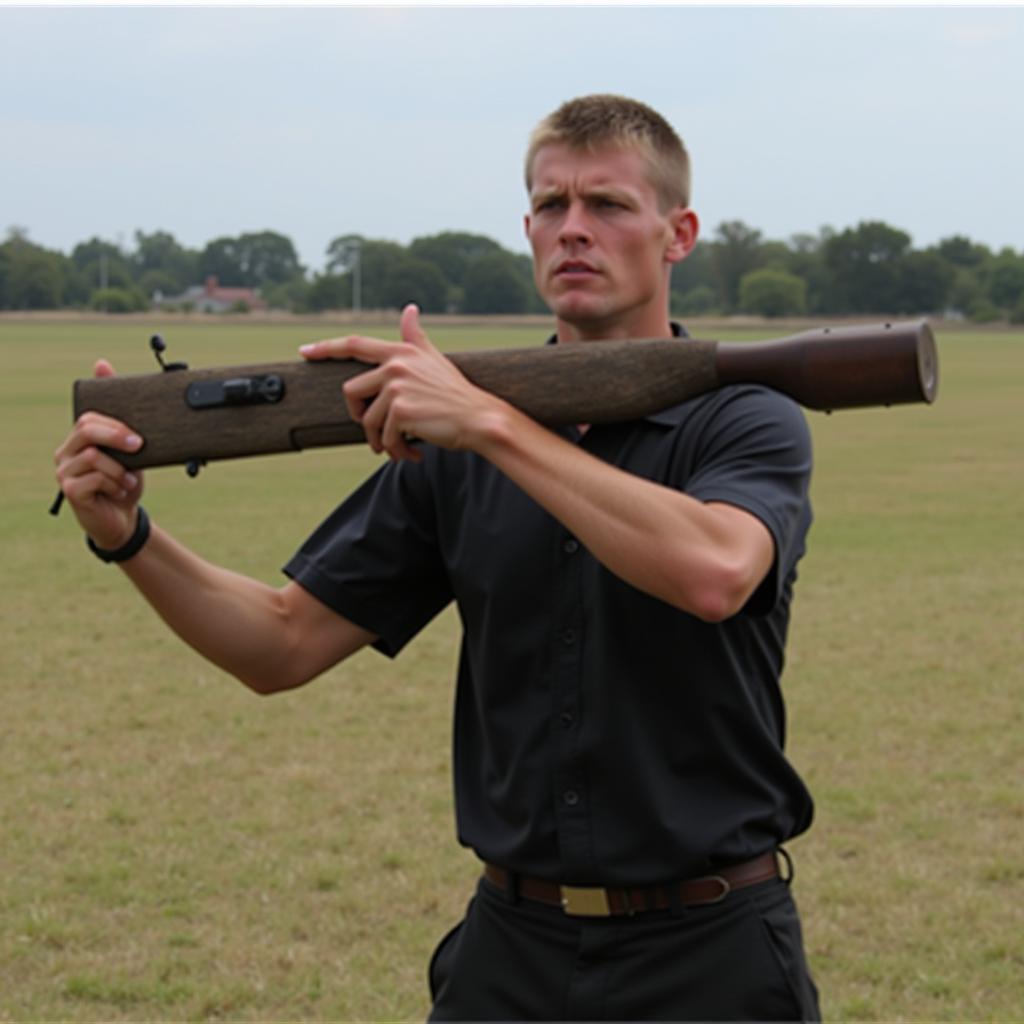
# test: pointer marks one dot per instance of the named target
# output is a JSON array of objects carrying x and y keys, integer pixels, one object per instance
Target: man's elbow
[
  {"x": 714, "y": 608},
  {"x": 265, "y": 684},
  {"x": 288, "y": 670},
  {"x": 719, "y": 593}
]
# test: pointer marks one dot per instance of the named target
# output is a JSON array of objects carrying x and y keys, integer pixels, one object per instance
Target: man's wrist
[
  {"x": 130, "y": 548},
  {"x": 496, "y": 429}
]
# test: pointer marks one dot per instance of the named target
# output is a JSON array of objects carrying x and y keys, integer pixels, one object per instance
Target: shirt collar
[{"x": 678, "y": 331}]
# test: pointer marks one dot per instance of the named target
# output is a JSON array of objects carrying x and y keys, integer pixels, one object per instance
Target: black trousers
[{"x": 739, "y": 960}]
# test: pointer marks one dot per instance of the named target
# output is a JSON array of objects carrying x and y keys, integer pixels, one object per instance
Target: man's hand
[
  {"x": 414, "y": 392},
  {"x": 101, "y": 492}
]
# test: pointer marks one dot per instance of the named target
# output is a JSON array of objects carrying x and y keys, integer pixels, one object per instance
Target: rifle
[{"x": 192, "y": 416}]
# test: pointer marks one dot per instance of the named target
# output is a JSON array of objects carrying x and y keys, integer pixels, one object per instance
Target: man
[{"x": 624, "y": 592}]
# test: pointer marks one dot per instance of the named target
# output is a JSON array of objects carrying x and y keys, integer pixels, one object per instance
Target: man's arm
[
  {"x": 704, "y": 558},
  {"x": 271, "y": 639}
]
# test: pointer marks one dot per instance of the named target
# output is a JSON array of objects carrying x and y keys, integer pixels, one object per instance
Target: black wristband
[{"x": 132, "y": 547}]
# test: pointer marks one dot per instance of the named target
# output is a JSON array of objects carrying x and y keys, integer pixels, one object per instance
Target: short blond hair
[{"x": 590, "y": 122}]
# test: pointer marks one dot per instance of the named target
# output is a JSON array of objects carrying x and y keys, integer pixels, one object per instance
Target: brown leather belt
[{"x": 613, "y": 902}]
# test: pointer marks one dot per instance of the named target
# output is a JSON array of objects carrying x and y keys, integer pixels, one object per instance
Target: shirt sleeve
[
  {"x": 755, "y": 453},
  {"x": 376, "y": 560}
]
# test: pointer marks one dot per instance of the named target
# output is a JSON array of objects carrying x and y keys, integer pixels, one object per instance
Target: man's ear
[
  {"x": 526, "y": 224},
  {"x": 685, "y": 227}
]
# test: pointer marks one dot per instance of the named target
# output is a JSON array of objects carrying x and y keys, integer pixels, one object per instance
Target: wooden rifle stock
[{"x": 191, "y": 416}]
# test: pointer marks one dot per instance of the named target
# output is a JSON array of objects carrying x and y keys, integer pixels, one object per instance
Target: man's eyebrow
[
  {"x": 542, "y": 195},
  {"x": 600, "y": 191},
  {"x": 610, "y": 191}
]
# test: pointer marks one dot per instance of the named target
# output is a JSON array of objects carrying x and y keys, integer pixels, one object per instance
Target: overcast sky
[{"x": 399, "y": 122}]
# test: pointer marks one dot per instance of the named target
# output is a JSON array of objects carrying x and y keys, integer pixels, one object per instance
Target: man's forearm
[
  {"x": 705, "y": 559},
  {"x": 232, "y": 621},
  {"x": 268, "y": 638}
]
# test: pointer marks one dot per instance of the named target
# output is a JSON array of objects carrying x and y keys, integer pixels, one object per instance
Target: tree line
[{"x": 871, "y": 268}]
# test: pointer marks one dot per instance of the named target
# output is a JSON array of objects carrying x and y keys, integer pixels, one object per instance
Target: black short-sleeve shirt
[{"x": 601, "y": 735}]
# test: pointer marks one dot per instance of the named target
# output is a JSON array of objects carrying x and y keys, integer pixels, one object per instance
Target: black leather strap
[{"x": 130, "y": 548}]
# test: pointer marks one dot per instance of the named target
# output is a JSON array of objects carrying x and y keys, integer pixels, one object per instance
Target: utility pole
[
  {"x": 103, "y": 279},
  {"x": 357, "y": 277}
]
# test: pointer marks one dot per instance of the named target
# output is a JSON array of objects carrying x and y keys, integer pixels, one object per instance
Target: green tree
[
  {"x": 252, "y": 260},
  {"x": 806, "y": 260},
  {"x": 864, "y": 263},
  {"x": 774, "y": 254},
  {"x": 343, "y": 252},
  {"x": 494, "y": 283},
  {"x": 453, "y": 252},
  {"x": 534, "y": 302},
  {"x": 693, "y": 272},
  {"x": 159, "y": 257},
  {"x": 102, "y": 264},
  {"x": 1004, "y": 279},
  {"x": 771, "y": 292},
  {"x": 962, "y": 252},
  {"x": 32, "y": 277},
  {"x": 118, "y": 300},
  {"x": 221, "y": 258},
  {"x": 967, "y": 291},
  {"x": 292, "y": 295},
  {"x": 269, "y": 258},
  {"x": 924, "y": 281},
  {"x": 153, "y": 282},
  {"x": 411, "y": 280},
  {"x": 376, "y": 258},
  {"x": 735, "y": 251},
  {"x": 35, "y": 280},
  {"x": 698, "y": 301},
  {"x": 329, "y": 291},
  {"x": 983, "y": 312}
]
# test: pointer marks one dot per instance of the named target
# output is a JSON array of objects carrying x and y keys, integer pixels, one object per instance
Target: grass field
[{"x": 174, "y": 848}]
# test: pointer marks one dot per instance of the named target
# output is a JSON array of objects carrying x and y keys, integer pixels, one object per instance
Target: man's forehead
[{"x": 558, "y": 167}]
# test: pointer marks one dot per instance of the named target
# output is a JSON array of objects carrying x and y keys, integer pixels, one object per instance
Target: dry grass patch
[{"x": 178, "y": 849}]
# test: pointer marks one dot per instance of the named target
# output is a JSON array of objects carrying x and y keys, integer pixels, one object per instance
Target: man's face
[{"x": 602, "y": 247}]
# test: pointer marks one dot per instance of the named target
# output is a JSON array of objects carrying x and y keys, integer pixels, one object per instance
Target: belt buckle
[
  {"x": 585, "y": 902},
  {"x": 723, "y": 882}
]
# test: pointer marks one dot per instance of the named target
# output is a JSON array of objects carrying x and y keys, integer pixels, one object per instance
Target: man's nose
[{"x": 575, "y": 225}]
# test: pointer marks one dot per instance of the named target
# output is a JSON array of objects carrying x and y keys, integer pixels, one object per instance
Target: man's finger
[
  {"x": 85, "y": 488},
  {"x": 90, "y": 462},
  {"x": 410, "y": 327},
  {"x": 93, "y": 428},
  {"x": 394, "y": 440},
  {"x": 94, "y": 459},
  {"x": 366, "y": 350},
  {"x": 360, "y": 391}
]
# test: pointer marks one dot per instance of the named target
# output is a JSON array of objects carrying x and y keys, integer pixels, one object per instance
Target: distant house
[{"x": 212, "y": 298}]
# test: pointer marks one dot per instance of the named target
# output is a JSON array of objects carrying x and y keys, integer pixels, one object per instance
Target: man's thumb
[{"x": 410, "y": 325}]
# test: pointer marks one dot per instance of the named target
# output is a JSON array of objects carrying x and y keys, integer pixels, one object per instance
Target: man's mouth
[{"x": 571, "y": 268}]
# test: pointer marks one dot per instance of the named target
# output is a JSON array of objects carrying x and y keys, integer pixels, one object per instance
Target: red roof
[{"x": 232, "y": 295}]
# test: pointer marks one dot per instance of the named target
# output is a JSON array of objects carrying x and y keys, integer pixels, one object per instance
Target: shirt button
[
  {"x": 571, "y": 546},
  {"x": 568, "y": 637},
  {"x": 571, "y": 797},
  {"x": 567, "y": 718}
]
